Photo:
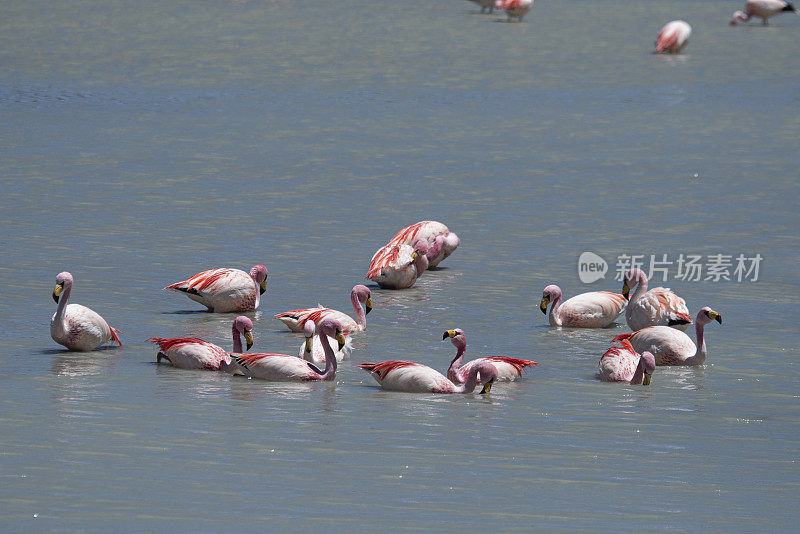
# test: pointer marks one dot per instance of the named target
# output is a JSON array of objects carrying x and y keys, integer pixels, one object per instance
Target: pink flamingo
[
  {"x": 596, "y": 309},
  {"x": 78, "y": 327},
  {"x": 514, "y": 8},
  {"x": 659, "y": 306},
  {"x": 285, "y": 368},
  {"x": 225, "y": 290},
  {"x": 194, "y": 353},
  {"x": 311, "y": 350},
  {"x": 508, "y": 369},
  {"x": 441, "y": 241},
  {"x": 398, "y": 266},
  {"x": 764, "y": 9},
  {"x": 295, "y": 320},
  {"x": 417, "y": 378},
  {"x": 673, "y": 37},
  {"x": 670, "y": 346},
  {"x": 623, "y": 364}
]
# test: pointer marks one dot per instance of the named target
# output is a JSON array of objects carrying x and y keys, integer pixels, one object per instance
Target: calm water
[{"x": 143, "y": 142}]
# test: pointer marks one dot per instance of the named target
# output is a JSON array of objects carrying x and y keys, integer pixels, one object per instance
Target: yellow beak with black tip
[
  {"x": 714, "y": 315},
  {"x": 625, "y": 291},
  {"x": 57, "y": 291},
  {"x": 369, "y": 304},
  {"x": 248, "y": 337},
  {"x": 309, "y": 344},
  {"x": 646, "y": 379},
  {"x": 487, "y": 387},
  {"x": 414, "y": 255},
  {"x": 449, "y": 333},
  {"x": 543, "y": 304},
  {"x": 263, "y": 287},
  {"x": 340, "y": 339}
]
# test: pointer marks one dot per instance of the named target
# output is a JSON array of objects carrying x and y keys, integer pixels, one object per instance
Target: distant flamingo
[
  {"x": 225, "y": 290},
  {"x": 763, "y": 9},
  {"x": 508, "y": 369},
  {"x": 194, "y": 353},
  {"x": 78, "y": 327},
  {"x": 285, "y": 368},
  {"x": 514, "y": 8},
  {"x": 311, "y": 350},
  {"x": 441, "y": 241},
  {"x": 656, "y": 307},
  {"x": 398, "y": 266},
  {"x": 671, "y": 347},
  {"x": 673, "y": 37},
  {"x": 596, "y": 309},
  {"x": 623, "y": 364},
  {"x": 417, "y": 378},
  {"x": 484, "y": 4},
  {"x": 296, "y": 319}
]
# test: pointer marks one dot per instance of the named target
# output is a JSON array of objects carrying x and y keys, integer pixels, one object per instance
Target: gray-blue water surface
[{"x": 143, "y": 142}]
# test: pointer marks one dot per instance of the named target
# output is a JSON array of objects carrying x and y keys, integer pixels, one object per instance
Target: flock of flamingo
[
  {"x": 674, "y": 36},
  {"x": 657, "y": 317}
]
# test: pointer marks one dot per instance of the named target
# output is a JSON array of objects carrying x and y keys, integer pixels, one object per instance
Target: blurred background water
[{"x": 143, "y": 142}]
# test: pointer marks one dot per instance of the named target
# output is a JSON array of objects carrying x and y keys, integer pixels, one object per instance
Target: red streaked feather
[
  {"x": 519, "y": 364},
  {"x": 385, "y": 368},
  {"x": 254, "y": 357},
  {"x": 167, "y": 344}
]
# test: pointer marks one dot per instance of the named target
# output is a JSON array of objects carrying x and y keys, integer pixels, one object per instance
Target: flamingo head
[
  {"x": 364, "y": 296},
  {"x": 420, "y": 248},
  {"x": 259, "y": 273},
  {"x": 332, "y": 328},
  {"x": 63, "y": 281},
  {"x": 706, "y": 315},
  {"x": 308, "y": 329},
  {"x": 457, "y": 337},
  {"x": 488, "y": 374},
  {"x": 649, "y": 362},
  {"x": 550, "y": 293},
  {"x": 630, "y": 280},
  {"x": 244, "y": 326}
]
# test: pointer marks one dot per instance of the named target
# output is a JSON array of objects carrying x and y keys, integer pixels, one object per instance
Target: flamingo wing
[
  {"x": 275, "y": 367},
  {"x": 390, "y": 257},
  {"x": 192, "y": 353}
]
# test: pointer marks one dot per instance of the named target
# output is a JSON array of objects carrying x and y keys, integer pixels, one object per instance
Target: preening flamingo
[
  {"x": 670, "y": 346},
  {"x": 673, "y": 37},
  {"x": 764, "y": 9},
  {"x": 225, "y": 290},
  {"x": 195, "y": 353},
  {"x": 311, "y": 350},
  {"x": 623, "y": 364},
  {"x": 514, "y": 8},
  {"x": 417, "y": 378},
  {"x": 398, "y": 266},
  {"x": 285, "y": 368},
  {"x": 508, "y": 369},
  {"x": 77, "y": 327},
  {"x": 484, "y": 5},
  {"x": 441, "y": 241},
  {"x": 596, "y": 309},
  {"x": 657, "y": 307},
  {"x": 296, "y": 319}
]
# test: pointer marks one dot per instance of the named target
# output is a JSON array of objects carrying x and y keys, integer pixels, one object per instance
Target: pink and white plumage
[
  {"x": 623, "y": 364},
  {"x": 195, "y": 353},
  {"x": 78, "y": 327},
  {"x": 670, "y": 346},
  {"x": 398, "y": 266},
  {"x": 596, "y": 309},
  {"x": 763, "y": 9},
  {"x": 657, "y": 307},
  {"x": 360, "y": 296},
  {"x": 225, "y": 290},
  {"x": 673, "y": 37},
  {"x": 413, "y": 377},
  {"x": 508, "y": 369},
  {"x": 441, "y": 241},
  {"x": 514, "y": 8},
  {"x": 312, "y": 351},
  {"x": 285, "y": 368}
]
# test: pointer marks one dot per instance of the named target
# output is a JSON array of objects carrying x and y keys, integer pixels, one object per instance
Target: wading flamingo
[
  {"x": 673, "y": 37},
  {"x": 657, "y": 307},
  {"x": 296, "y": 319},
  {"x": 225, "y": 290},
  {"x": 398, "y": 266},
  {"x": 514, "y": 8},
  {"x": 623, "y": 364},
  {"x": 77, "y": 327},
  {"x": 671, "y": 347},
  {"x": 311, "y": 350},
  {"x": 417, "y": 378},
  {"x": 194, "y": 353},
  {"x": 285, "y": 368},
  {"x": 441, "y": 241},
  {"x": 508, "y": 369},
  {"x": 596, "y": 309},
  {"x": 763, "y": 9}
]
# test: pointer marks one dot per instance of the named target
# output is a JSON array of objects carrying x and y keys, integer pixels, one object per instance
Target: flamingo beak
[
  {"x": 625, "y": 290},
  {"x": 714, "y": 315},
  {"x": 309, "y": 343},
  {"x": 57, "y": 291},
  {"x": 263, "y": 287},
  {"x": 448, "y": 333},
  {"x": 248, "y": 337},
  {"x": 543, "y": 304},
  {"x": 340, "y": 339},
  {"x": 414, "y": 255},
  {"x": 487, "y": 387},
  {"x": 646, "y": 380},
  {"x": 369, "y": 304}
]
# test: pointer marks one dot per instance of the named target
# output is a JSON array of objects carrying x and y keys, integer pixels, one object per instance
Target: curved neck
[
  {"x": 700, "y": 355},
  {"x": 641, "y": 286},
  {"x": 472, "y": 380},
  {"x": 62, "y": 304},
  {"x": 237, "y": 340},
  {"x": 361, "y": 317},
  {"x": 454, "y": 373},
  {"x": 554, "y": 319},
  {"x": 638, "y": 376},
  {"x": 330, "y": 359},
  {"x": 421, "y": 263}
]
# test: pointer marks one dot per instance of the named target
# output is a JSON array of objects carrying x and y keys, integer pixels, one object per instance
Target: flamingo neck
[
  {"x": 62, "y": 305},
  {"x": 330, "y": 359},
  {"x": 421, "y": 264},
  {"x": 472, "y": 380},
  {"x": 641, "y": 287},
  {"x": 699, "y": 356},
  {"x": 237, "y": 340},
  {"x": 554, "y": 318},
  {"x": 455, "y": 373},
  {"x": 361, "y": 317},
  {"x": 638, "y": 376}
]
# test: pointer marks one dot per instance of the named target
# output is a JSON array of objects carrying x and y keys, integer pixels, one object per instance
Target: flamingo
[
  {"x": 296, "y": 319},
  {"x": 659, "y": 306},
  {"x": 514, "y": 8},
  {"x": 398, "y": 266},
  {"x": 78, "y": 327},
  {"x": 596, "y": 309},
  {"x": 311, "y": 350},
  {"x": 194, "y": 353},
  {"x": 417, "y": 378},
  {"x": 226, "y": 290},
  {"x": 441, "y": 241},
  {"x": 285, "y": 368},
  {"x": 671, "y": 347},
  {"x": 484, "y": 5},
  {"x": 673, "y": 37},
  {"x": 764, "y": 9},
  {"x": 623, "y": 364},
  {"x": 508, "y": 369}
]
